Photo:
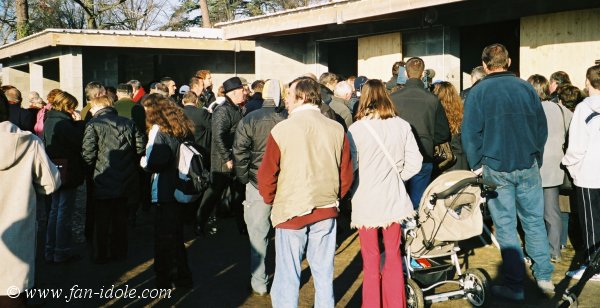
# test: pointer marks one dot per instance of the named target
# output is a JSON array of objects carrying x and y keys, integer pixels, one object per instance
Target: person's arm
[
  {"x": 89, "y": 148},
  {"x": 140, "y": 140},
  {"x": 578, "y": 141},
  {"x": 158, "y": 152},
  {"x": 412, "y": 157},
  {"x": 242, "y": 152},
  {"x": 268, "y": 172},
  {"x": 542, "y": 129},
  {"x": 46, "y": 177},
  {"x": 346, "y": 169},
  {"x": 441, "y": 131},
  {"x": 472, "y": 131},
  {"x": 220, "y": 128}
]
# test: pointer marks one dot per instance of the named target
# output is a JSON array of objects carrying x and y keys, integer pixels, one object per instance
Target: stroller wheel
[
  {"x": 476, "y": 287},
  {"x": 414, "y": 295}
]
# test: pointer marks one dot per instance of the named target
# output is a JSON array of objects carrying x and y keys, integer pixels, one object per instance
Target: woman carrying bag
[{"x": 385, "y": 155}]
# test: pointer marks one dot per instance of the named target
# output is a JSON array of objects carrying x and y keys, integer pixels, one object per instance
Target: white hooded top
[
  {"x": 24, "y": 170},
  {"x": 583, "y": 154},
  {"x": 381, "y": 198}
]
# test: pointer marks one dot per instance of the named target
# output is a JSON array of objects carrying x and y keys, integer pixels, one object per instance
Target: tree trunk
[
  {"x": 205, "y": 17},
  {"x": 91, "y": 15},
  {"x": 22, "y": 12}
]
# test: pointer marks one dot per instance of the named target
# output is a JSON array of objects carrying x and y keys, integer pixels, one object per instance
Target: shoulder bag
[{"x": 567, "y": 185}]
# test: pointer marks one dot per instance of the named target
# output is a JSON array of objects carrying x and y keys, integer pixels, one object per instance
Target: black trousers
[
  {"x": 588, "y": 208},
  {"x": 110, "y": 229},
  {"x": 212, "y": 197},
  {"x": 170, "y": 256}
]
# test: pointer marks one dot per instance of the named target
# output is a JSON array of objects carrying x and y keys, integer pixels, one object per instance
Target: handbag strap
[
  {"x": 383, "y": 149},
  {"x": 563, "y": 118}
]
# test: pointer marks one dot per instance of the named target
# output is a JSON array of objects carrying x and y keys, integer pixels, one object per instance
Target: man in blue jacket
[{"x": 503, "y": 133}]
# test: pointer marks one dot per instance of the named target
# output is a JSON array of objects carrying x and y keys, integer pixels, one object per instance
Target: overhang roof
[
  {"x": 313, "y": 17},
  {"x": 204, "y": 39}
]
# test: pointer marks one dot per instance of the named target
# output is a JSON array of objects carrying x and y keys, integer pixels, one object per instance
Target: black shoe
[
  {"x": 186, "y": 283},
  {"x": 69, "y": 259},
  {"x": 100, "y": 260}
]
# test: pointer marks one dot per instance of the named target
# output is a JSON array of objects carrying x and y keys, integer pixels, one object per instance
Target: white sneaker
[
  {"x": 546, "y": 286},
  {"x": 576, "y": 274},
  {"x": 595, "y": 277}
]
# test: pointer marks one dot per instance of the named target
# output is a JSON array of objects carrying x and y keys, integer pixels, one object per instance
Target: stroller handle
[{"x": 485, "y": 185}]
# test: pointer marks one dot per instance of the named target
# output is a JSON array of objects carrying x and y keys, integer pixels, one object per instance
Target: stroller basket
[{"x": 430, "y": 275}]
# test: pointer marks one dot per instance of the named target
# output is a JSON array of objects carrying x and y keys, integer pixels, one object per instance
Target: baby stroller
[
  {"x": 570, "y": 297},
  {"x": 449, "y": 212}
]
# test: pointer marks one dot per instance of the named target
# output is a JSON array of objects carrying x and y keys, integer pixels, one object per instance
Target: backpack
[{"x": 192, "y": 177}]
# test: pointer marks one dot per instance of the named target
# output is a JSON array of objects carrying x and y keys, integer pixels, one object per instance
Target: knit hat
[
  {"x": 272, "y": 90},
  {"x": 359, "y": 82}
]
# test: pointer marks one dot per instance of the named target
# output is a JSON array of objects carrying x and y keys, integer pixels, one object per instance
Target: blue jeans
[
  {"x": 319, "y": 240},
  {"x": 520, "y": 195},
  {"x": 418, "y": 183},
  {"x": 256, "y": 215},
  {"x": 58, "y": 235}
]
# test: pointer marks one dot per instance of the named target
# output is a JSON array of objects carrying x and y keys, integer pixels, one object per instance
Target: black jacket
[
  {"x": 161, "y": 160},
  {"x": 224, "y": 122},
  {"x": 207, "y": 97},
  {"x": 22, "y": 118},
  {"x": 63, "y": 137},
  {"x": 111, "y": 149},
  {"x": 425, "y": 114},
  {"x": 202, "y": 128},
  {"x": 255, "y": 102},
  {"x": 251, "y": 140}
]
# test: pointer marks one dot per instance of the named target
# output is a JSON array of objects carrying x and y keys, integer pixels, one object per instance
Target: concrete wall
[
  {"x": 112, "y": 66},
  {"x": 566, "y": 41},
  {"x": 285, "y": 58},
  {"x": 377, "y": 54},
  {"x": 439, "y": 49}
]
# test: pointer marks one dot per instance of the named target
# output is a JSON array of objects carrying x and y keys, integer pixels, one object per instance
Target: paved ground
[{"x": 221, "y": 274}]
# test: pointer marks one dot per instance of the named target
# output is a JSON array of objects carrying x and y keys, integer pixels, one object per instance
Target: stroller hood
[{"x": 455, "y": 218}]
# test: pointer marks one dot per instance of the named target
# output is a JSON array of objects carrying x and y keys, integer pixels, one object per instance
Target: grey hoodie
[{"x": 24, "y": 170}]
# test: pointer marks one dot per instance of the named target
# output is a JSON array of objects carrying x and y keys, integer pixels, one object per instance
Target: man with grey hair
[
  {"x": 339, "y": 103},
  {"x": 476, "y": 74}
]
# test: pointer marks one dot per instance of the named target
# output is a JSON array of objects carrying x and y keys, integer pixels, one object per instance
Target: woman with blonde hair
[
  {"x": 63, "y": 136},
  {"x": 385, "y": 155},
  {"x": 167, "y": 128},
  {"x": 453, "y": 107}
]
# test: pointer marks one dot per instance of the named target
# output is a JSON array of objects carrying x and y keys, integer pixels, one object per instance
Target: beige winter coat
[{"x": 24, "y": 170}]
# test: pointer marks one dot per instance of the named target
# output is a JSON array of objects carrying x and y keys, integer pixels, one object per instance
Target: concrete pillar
[
  {"x": 36, "y": 78},
  {"x": 71, "y": 74},
  {"x": 377, "y": 54}
]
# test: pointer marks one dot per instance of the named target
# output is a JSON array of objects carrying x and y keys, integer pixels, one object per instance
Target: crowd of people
[{"x": 288, "y": 156}]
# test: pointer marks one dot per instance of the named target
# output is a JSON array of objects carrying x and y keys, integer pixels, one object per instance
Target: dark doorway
[
  {"x": 474, "y": 38},
  {"x": 342, "y": 57}
]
